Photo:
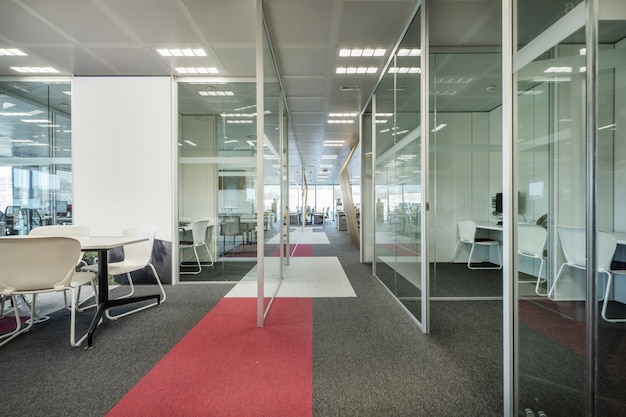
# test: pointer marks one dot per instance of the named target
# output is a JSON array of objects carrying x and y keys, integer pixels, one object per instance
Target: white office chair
[
  {"x": 201, "y": 232},
  {"x": 41, "y": 264},
  {"x": 467, "y": 235},
  {"x": 67, "y": 231},
  {"x": 136, "y": 257},
  {"x": 573, "y": 243},
  {"x": 531, "y": 243}
]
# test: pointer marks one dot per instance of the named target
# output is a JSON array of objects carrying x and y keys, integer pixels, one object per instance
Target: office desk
[{"x": 102, "y": 244}]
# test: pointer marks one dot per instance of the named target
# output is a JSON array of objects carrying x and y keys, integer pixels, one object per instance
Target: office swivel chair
[{"x": 467, "y": 235}]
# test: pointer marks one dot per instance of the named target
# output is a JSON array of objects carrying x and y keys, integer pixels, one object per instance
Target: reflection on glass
[
  {"x": 217, "y": 179},
  {"x": 35, "y": 118},
  {"x": 397, "y": 175}
]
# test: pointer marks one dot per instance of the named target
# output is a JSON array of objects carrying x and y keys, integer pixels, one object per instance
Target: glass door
[
  {"x": 398, "y": 175},
  {"x": 551, "y": 147}
]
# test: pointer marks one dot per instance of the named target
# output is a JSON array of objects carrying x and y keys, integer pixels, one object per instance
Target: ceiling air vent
[{"x": 350, "y": 88}]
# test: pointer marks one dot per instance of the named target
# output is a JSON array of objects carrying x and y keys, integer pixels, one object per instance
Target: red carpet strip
[
  {"x": 301, "y": 250},
  {"x": 226, "y": 366}
]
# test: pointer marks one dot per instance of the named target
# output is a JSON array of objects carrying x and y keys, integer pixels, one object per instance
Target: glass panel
[
  {"x": 550, "y": 122},
  {"x": 466, "y": 175},
  {"x": 217, "y": 177},
  {"x": 271, "y": 207},
  {"x": 35, "y": 155},
  {"x": 611, "y": 183},
  {"x": 397, "y": 175}
]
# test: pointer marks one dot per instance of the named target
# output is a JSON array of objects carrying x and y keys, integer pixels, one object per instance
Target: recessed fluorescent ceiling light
[
  {"x": 357, "y": 70},
  {"x": 231, "y": 141},
  {"x": 438, "y": 128},
  {"x": 239, "y": 121},
  {"x": 197, "y": 70},
  {"x": 409, "y": 52},
  {"x": 216, "y": 93},
  {"x": 340, "y": 121},
  {"x": 329, "y": 156},
  {"x": 190, "y": 142},
  {"x": 35, "y": 121},
  {"x": 559, "y": 69},
  {"x": 333, "y": 143},
  {"x": 35, "y": 70},
  {"x": 362, "y": 52},
  {"x": 341, "y": 114},
  {"x": 12, "y": 52},
  {"x": 181, "y": 52},
  {"x": 404, "y": 70}
]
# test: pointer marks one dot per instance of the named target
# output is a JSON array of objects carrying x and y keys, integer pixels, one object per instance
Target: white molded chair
[
  {"x": 200, "y": 237},
  {"x": 67, "y": 231},
  {"x": 36, "y": 265},
  {"x": 573, "y": 243},
  {"x": 467, "y": 235},
  {"x": 137, "y": 256},
  {"x": 531, "y": 243}
]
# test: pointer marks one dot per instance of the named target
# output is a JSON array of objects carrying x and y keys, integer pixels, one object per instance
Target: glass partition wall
[
  {"x": 35, "y": 154},
  {"x": 568, "y": 144},
  {"x": 397, "y": 173}
]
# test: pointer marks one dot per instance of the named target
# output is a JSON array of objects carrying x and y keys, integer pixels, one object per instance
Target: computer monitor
[
  {"x": 61, "y": 208},
  {"x": 498, "y": 207}
]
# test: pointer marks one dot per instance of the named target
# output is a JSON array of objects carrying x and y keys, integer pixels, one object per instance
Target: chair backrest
[
  {"x": 573, "y": 243},
  {"x": 467, "y": 230},
  {"x": 62, "y": 231},
  {"x": 37, "y": 263},
  {"x": 141, "y": 252},
  {"x": 531, "y": 240},
  {"x": 69, "y": 230},
  {"x": 198, "y": 231},
  {"x": 231, "y": 226}
]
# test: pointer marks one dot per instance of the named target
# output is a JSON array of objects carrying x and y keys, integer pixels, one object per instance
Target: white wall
[{"x": 122, "y": 153}]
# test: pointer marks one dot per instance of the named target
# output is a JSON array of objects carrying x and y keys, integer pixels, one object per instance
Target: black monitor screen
[
  {"x": 498, "y": 203},
  {"x": 61, "y": 207}
]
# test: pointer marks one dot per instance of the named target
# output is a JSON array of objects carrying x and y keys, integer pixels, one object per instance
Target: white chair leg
[
  {"x": 605, "y": 302},
  {"x": 18, "y": 322},
  {"x": 132, "y": 287},
  {"x": 539, "y": 279},
  {"x": 164, "y": 296},
  {"x": 556, "y": 280},
  {"x": 456, "y": 249}
]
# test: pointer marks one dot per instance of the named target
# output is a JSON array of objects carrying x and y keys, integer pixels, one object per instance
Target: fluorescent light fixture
[
  {"x": 333, "y": 143},
  {"x": 7, "y": 105},
  {"x": 559, "y": 70},
  {"x": 399, "y": 133},
  {"x": 239, "y": 121},
  {"x": 246, "y": 107},
  {"x": 216, "y": 93},
  {"x": 366, "y": 52},
  {"x": 340, "y": 121},
  {"x": 35, "y": 70},
  {"x": 35, "y": 121},
  {"x": 196, "y": 70},
  {"x": 231, "y": 141},
  {"x": 381, "y": 121},
  {"x": 190, "y": 142},
  {"x": 439, "y": 127},
  {"x": 404, "y": 70},
  {"x": 607, "y": 126},
  {"x": 181, "y": 52},
  {"x": 409, "y": 52},
  {"x": 453, "y": 80},
  {"x": 12, "y": 52},
  {"x": 384, "y": 114},
  {"x": 356, "y": 70},
  {"x": 582, "y": 51},
  {"x": 49, "y": 125},
  {"x": 329, "y": 156},
  {"x": 21, "y": 141},
  {"x": 342, "y": 114}
]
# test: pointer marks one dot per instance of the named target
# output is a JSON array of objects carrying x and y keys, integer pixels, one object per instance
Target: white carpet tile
[
  {"x": 306, "y": 236},
  {"x": 315, "y": 277}
]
